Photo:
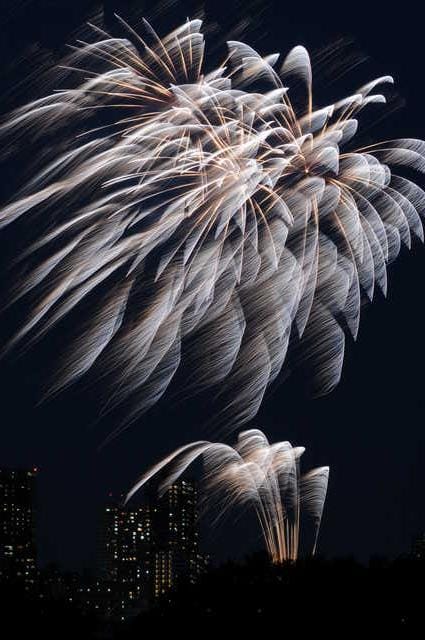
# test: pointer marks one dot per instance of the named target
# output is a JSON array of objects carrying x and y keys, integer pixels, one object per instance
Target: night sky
[{"x": 369, "y": 430}]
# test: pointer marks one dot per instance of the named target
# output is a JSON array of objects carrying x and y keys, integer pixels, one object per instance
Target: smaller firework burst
[{"x": 254, "y": 472}]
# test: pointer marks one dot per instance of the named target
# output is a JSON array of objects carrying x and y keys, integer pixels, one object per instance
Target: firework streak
[
  {"x": 259, "y": 474},
  {"x": 198, "y": 220}
]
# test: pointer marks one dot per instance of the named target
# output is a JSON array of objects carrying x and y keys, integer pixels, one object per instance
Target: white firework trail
[
  {"x": 257, "y": 474},
  {"x": 196, "y": 219}
]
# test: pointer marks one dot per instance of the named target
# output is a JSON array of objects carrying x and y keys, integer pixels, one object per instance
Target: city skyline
[
  {"x": 115, "y": 598},
  {"x": 143, "y": 551}
]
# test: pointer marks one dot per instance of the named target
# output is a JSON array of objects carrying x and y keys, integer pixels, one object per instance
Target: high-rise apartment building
[
  {"x": 17, "y": 526},
  {"x": 176, "y": 537},
  {"x": 145, "y": 550},
  {"x": 418, "y": 547},
  {"x": 125, "y": 552}
]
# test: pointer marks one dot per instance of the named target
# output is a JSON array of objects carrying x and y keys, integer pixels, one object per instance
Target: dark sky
[{"x": 369, "y": 430}]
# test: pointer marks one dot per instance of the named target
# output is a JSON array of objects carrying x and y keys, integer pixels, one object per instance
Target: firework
[
  {"x": 194, "y": 219},
  {"x": 256, "y": 474}
]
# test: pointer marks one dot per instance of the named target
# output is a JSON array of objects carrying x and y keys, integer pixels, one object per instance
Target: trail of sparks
[
  {"x": 256, "y": 474},
  {"x": 211, "y": 219}
]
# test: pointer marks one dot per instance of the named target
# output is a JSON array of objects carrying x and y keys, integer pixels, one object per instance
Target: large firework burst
[
  {"x": 258, "y": 474},
  {"x": 199, "y": 219}
]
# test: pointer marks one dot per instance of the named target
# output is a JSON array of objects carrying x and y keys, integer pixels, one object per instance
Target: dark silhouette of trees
[
  {"x": 313, "y": 596},
  {"x": 25, "y": 615}
]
